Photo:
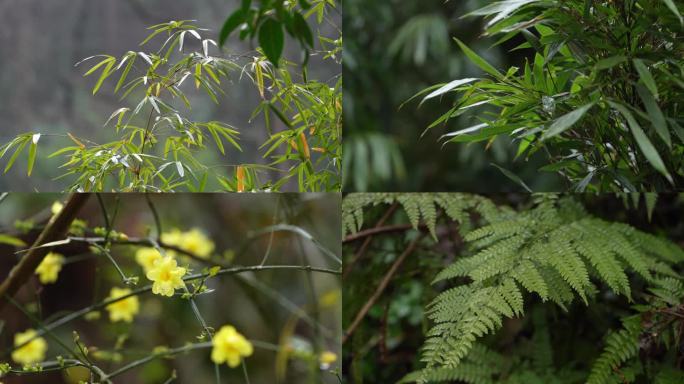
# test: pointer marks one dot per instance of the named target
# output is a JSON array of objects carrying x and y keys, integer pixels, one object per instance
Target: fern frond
[
  {"x": 411, "y": 205},
  {"x": 428, "y": 212},
  {"x": 620, "y": 347},
  {"x": 480, "y": 366},
  {"x": 555, "y": 250},
  {"x": 597, "y": 251},
  {"x": 529, "y": 276},
  {"x": 418, "y": 206}
]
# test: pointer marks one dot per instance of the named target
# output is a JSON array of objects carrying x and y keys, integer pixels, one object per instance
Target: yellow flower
[
  {"x": 33, "y": 352},
  {"x": 122, "y": 310},
  {"x": 146, "y": 257},
  {"x": 197, "y": 243},
  {"x": 230, "y": 347},
  {"x": 172, "y": 238},
  {"x": 167, "y": 276},
  {"x": 193, "y": 241},
  {"x": 326, "y": 359},
  {"x": 49, "y": 268},
  {"x": 56, "y": 207}
]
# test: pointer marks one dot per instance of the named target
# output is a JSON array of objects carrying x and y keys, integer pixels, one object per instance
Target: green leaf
[
  {"x": 232, "y": 22},
  {"x": 566, "y": 121},
  {"x": 670, "y": 4},
  {"x": 217, "y": 139},
  {"x": 477, "y": 60},
  {"x": 448, "y": 87},
  {"x": 11, "y": 240},
  {"x": 555, "y": 167},
  {"x": 513, "y": 177},
  {"x": 105, "y": 73},
  {"x": 501, "y": 8},
  {"x": 125, "y": 73},
  {"x": 650, "y": 199},
  {"x": 153, "y": 34},
  {"x": 302, "y": 30},
  {"x": 642, "y": 140},
  {"x": 179, "y": 168},
  {"x": 16, "y": 153},
  {"x": 109, "y": 59},
  {"x": 272, "y": 40},
  {"x": 655, "y": 114},
  {"x": 32, "y": 152},
  {"x": 610, "y": 62},
  {"x": 646, "y": 76}
]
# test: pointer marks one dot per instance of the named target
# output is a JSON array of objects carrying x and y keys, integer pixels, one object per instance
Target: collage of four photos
[{"x": 190, "y": 192}]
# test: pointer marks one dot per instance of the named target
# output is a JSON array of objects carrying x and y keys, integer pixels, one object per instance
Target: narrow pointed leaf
[
  {"x": 32, "y": 152},
  {"x": 642, "y": 140},
  {"x": 272, "y": 40},
  {"x": 479, "y": 61},
  {"x": 655, "y": 114},
  {"x": 232, "y": 22},
  {"x": 646, "y": 77},
  {"x": 566, "y": 121},
  {"x": 448, "y": 87},
  {"x": 513, "y": 177}
]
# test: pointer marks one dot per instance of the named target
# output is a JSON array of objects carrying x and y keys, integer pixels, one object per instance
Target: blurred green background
[
  {"x": 394, "y": 49},
  {"x": 42, "y": 91},
  {"x": 261, "y": 305}
]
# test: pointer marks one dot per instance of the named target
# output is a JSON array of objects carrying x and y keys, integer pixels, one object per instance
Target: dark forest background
[{"x": 394, "y": 49}]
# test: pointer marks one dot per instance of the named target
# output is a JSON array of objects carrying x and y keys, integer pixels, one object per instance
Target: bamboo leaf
[
  {"x": 642, "y": 140},
  {"x": 448, "y": 87},
  {"x": 179, "y": 167},
  {"x": 479, "y": 61},
  {"x": 15, "y": 155},
  {"x": 670, "y": 4},
  {"x": 98, "y": 65},
  {"x": 124, "y": 74},
  {"x": 272, "y": 40},
  {"x": 103, "y": 76},
  {"x": 566, "y": 121},
  {"x": 501, "y": 8},
  {"x": 610, "y": 62},
  {"x": 217, "y": 139},
  {"x": 32, "y": 152},
  {"x": 655, "y": 114},
  {"x": 646, "y": 77},
  {"x": 232, "y": 22},
  {"x": 513, "y": 177}
]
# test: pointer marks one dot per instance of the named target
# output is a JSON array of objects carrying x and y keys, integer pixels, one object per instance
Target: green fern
[
  {"x": 481, "y": 366},
  {"x": 556, "y": 251},
  {"x": 620, "y": 347},
  {"x": 419, "y": 207}
]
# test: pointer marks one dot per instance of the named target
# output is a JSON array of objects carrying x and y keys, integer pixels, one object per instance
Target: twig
[
  {"x": 175, "y": 351},
  {"x": 366, "y": 243},
  {"x": 155, "y": 214},
  {"x": 378, "y": 230},
  {"x": 228, "y": 271},
  {"x": 56, "y": 229},
  {"x": 383, "y": 284}
]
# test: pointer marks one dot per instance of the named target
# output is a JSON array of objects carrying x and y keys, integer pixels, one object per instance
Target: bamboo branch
[{"x": 56, "y": 229}]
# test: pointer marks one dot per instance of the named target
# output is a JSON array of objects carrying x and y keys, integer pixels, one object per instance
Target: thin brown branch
[
  {"x": 362, "y": 250},
  {"x": 378, "y": 230},
  {"x": 381, "y": 288},
  {"x": 55, "y": 230}
]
